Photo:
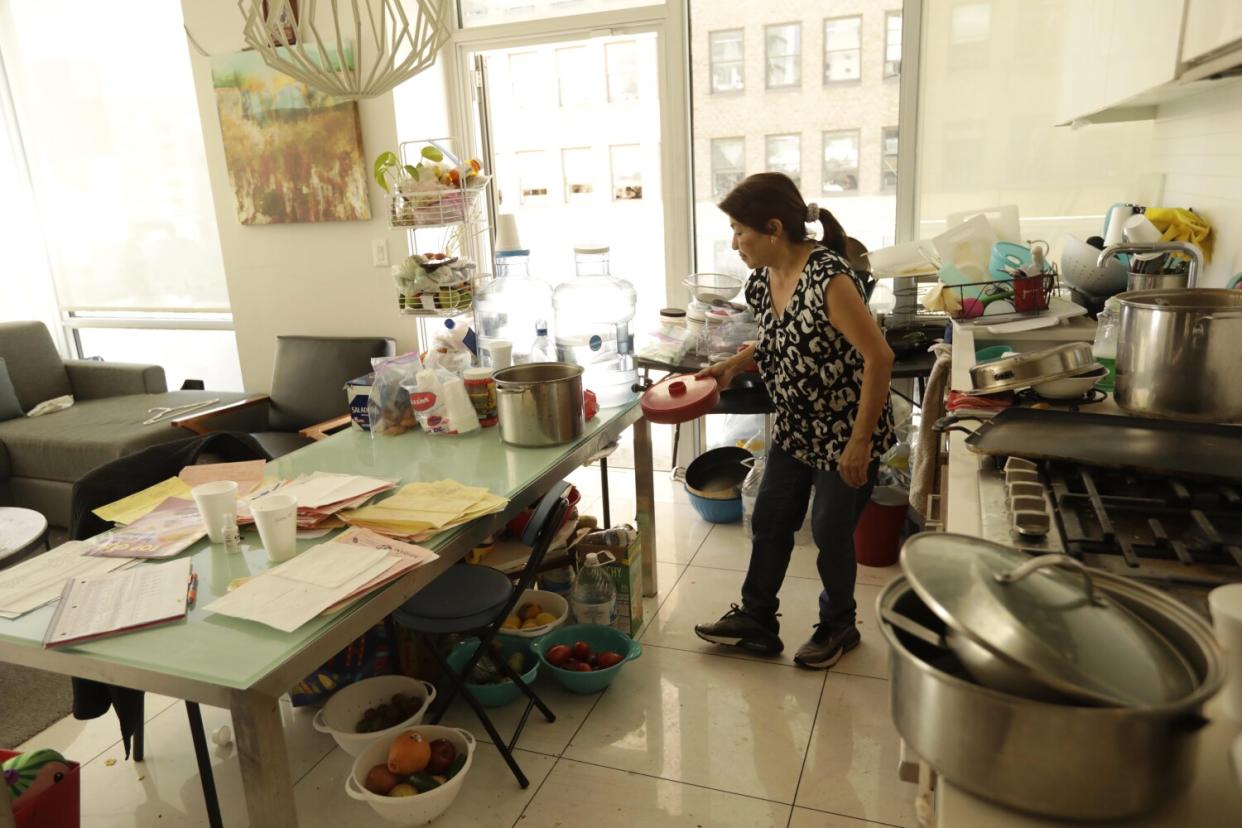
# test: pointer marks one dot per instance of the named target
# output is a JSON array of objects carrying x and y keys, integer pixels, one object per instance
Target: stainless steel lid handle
[{"x": 1045, "y": 561}]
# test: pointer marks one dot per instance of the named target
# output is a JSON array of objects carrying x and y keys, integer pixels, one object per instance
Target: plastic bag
[
  {"x": 669, "y": 344},
  {"x": 449, "y": 352},
  {"x": 741, "y": 430},
  {"x": 389, "y": 407},
  {"x": 440, "y": 402}
]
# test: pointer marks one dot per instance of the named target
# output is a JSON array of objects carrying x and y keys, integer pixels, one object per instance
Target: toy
[{"x": 29, "y": 774}]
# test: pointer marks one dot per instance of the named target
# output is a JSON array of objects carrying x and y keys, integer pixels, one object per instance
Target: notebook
[{"x": 132, "y": 599}]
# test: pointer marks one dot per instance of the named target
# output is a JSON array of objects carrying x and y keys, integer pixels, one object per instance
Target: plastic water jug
[
  {"x": 593, "y": 315},
  {"x": 510, "y": 306},
  {"x": 593, "y": 597}
]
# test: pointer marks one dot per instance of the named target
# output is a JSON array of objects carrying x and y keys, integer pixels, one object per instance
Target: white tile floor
[{"x": 688, "y": 735}]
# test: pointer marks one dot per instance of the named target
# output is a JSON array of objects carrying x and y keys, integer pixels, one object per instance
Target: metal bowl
[{"x": 1024, "y": 370}]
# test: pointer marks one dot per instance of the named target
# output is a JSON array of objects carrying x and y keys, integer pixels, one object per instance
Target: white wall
[
  {"x": 1197, "y": 144},
  {"x": 295, "y": 278}
]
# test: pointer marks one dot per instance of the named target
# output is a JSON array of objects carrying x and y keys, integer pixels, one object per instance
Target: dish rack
[
  {"x": 1003, "y": 300},
  {"x": 437, "y": 208}
]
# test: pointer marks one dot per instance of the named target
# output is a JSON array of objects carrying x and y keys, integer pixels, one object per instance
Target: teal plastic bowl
[
  {"x": 495, "y": 695},
  {"x": 991, "y": 352},
  {"x": 599, "y": 639}
]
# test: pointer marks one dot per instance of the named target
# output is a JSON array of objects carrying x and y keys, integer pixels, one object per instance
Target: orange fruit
[{"x": 409, "y": 753}]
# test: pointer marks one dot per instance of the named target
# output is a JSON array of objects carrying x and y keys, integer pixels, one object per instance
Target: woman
[{"x": 826, "y": 366}]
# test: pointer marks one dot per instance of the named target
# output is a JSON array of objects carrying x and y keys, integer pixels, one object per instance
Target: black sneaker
[
  {"x": 738, "y": 628},
  {"x": 827, "y": 645}
]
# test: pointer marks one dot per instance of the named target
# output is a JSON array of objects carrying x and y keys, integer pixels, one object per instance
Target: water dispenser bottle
[
  {"x": 511, "y": 305},
  {"x": 593, "y": 315}
]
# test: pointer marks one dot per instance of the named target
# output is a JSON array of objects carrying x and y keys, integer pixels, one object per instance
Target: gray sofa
[{"x": 41, "y": 457}]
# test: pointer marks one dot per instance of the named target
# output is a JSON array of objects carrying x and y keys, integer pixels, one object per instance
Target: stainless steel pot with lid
[
  {"x": 1039, "y": 627},
  {"x": 1024, "y": 370}
]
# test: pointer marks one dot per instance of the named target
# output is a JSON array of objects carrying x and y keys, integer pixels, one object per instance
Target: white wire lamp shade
[{"x": 381, "y": 44}]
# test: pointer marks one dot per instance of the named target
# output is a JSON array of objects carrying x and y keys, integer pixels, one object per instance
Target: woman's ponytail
[{"x": 834, "y": 233}]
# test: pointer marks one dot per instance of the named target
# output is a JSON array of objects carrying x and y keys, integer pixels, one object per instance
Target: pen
[{"x": 192, "y": 593}]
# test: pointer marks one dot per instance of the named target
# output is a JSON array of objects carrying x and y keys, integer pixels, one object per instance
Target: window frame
[
  {"x": 538, "y": 199},
  {"x": 712, "y": 63},
  {"x": 823, "y": 175},
  {"x": 767, "y": 56},
  {"x": 608, "y": 73},
  {"x": 571, "y": 197},
  {"x": 884, "y": 64},
  {"x": 767, "y": 154},
  {"x": 885, "y": 155},
  {"x": 612, "y": 172},
  {"x": 859, "y": 49},
  {"x": 560, "y": 79},
  {"x": 740, "y": 172}
]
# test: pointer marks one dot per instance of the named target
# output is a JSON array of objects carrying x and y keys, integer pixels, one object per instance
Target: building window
[
  {"x": 728, "y": 60},
  {"x": 573, "y": 76},
  {"x": 888, "y": 159},
  {"x": 843, "y": 49},
  {"x": 892, "y": 44},
  {"x": 783, "y": 43},
  {"x": 725, "y": 258},
  {"x": 532, "y": 177},
  {"x": 728, "y": 165},
  {"x": 579, "y": 174},
  {"x": 841, "y": 161},
  {"x": 627, "y": 172},
  {"x": 784, "y": 154},
  {"x": 621, "y": 64}
]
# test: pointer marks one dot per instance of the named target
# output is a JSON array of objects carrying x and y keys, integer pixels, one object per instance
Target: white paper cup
[
  {"x": 500, "y": 351},
  {"x": 276, "y": 515},
  {"x": 1225, "y": 603},
  {"x": 217, "y": 503}
]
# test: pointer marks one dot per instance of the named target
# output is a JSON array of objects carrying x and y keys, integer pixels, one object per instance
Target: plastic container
[
  {"x": 496, "y": 695},
  {"x": 877, "y": 537},
  {"x": 717, "y": 511},
  {"x": 599, "y": 639},
  {"x": 593, "y": 597},
  {"x": 552, "y": 601},
  {"x": 542, "y": 350},
  {"x": 411, "y": 810},
  {"x": 509, "y": 307},
  {"x": 339, "y": 717},
  {"x": 1104, "y": 348},
  {"x": 593, "y": 315}
]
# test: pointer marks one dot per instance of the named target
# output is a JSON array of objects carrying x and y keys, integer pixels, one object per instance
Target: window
[
  {"x": 474, "y": 13},
  {"x": 579, "y": 175},
  {"x": 843, "y": 49},
  {"x": 525, "y": 75},
  {"x": 621, "y": 64},
  {"x": 627, "y": 172},
  {"x": 725, "y": 258},
  {"x": 727, "y": 60},
  {"x": 784, "y": 154},
  {"x": 784, "y": 54},
  {"x": 892, "y": 44},
  {"x": 888, "y": 159},
  {"x": 573, "y": 76},
  {"x": 728, "y": 165},
  {"x": 532, "y": 177},
  {"x": 970, "y": 33},
  {"x": 841, "y": 161}
]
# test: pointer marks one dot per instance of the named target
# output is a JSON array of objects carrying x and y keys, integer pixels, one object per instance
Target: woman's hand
[
  {"x": 723, "y": 372},
  {"x": 854, "y": 462}
]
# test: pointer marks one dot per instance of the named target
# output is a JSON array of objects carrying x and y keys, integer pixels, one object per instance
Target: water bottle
[
  {"x": 509, "y": 306},
  {"x": 542, "y": 350},
  {"x": 593, "y": 597}
]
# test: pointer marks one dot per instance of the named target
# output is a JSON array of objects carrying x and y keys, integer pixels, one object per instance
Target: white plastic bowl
[
  {"x": 552, "y": 602},
  {"x": 410, "y": 810},
  {"x": 1071, "y": 388},
  {"x": 340, "y": 715}
]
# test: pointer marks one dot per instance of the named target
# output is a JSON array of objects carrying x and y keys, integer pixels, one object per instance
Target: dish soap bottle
[
  {"x": 542, "y": 349},
  {"x": 593, "y": 597},
  {"x": 1105, "y": 346}
]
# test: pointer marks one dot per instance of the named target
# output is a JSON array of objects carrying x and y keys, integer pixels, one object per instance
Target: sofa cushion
[
  {"x": 34, "y": 364},
  {"x": 67, "y": 444},
  {"x": 10, "y": 407}
]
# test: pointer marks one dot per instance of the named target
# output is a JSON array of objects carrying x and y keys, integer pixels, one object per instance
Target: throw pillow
[{"x": 9, "y": 405}]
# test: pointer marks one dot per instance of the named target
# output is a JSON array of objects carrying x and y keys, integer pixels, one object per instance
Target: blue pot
[{"x": 716, "y": 511}]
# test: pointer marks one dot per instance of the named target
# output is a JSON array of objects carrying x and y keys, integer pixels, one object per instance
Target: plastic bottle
[
  {"x": 593, "y": 597},
  {"x": 1105, "y": 346},
  {"x": 593, "y": 314},
  {"x": 509, "y": 306},
  {"x": 542, "y": 350}
]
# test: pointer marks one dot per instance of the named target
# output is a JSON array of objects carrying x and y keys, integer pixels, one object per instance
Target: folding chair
[{"x": 476, "y": 599}]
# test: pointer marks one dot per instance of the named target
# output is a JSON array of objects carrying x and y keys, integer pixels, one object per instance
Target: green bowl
[
  {"x": 495, "y": 695},
  {"x": 599, "y": 639},
  {"x": 991, "y": 352}
]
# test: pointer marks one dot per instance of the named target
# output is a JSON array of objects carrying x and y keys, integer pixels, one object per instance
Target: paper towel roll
[{"x": 457, "y": 403}]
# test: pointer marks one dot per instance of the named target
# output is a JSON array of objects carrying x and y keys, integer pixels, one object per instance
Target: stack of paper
[
  {"x": 321, "y": 495},
  {"x": 420, "y": 510},
  {"x": 103, "y": 605},
  {"x": 247, "y": 474},
  {"x": 322, "y": 579},
  {"x": 169, "y": 530},
  {"x": 41, "y": 579}
]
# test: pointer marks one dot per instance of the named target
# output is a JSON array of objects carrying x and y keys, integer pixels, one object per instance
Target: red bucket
[
  {"x": 57, "y": 807},
  {"x": 877, "y": 537}
]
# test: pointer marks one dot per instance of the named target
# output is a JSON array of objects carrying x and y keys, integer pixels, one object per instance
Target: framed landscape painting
[{"x": 294, "y": 154}]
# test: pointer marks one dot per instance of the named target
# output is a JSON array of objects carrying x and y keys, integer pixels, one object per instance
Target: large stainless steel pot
[
  {"x": 1058, "y": 760},
  {"x": 1178, "y": 353},
  {"x": 540, "y": 403}
]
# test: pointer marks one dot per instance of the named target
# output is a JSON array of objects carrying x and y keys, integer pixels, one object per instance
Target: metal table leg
[
  {"x": 644, "y": 495},
  {"x": 264, "y": 759}
]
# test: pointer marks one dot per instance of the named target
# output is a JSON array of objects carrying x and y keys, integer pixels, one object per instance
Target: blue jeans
[{"x": 779, "y": 511}]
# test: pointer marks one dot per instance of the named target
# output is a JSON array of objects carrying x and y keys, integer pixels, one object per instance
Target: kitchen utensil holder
[{"x": 1019, "y": 298}]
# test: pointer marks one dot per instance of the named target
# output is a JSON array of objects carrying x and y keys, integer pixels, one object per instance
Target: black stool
[{"x": 477, "y": 599}]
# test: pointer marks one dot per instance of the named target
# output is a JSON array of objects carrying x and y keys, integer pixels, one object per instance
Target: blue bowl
[
  {"x": 717, "y": 511},
  {"x": 600, "y": 639},
  {"x": 496, "y": 695}
]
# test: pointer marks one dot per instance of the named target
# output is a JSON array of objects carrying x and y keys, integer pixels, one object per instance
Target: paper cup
[
  {"x": 277, "y": 518},
  {"x": 500, "y": 351},
  {"x": 1225, "y": 603},
  {"x": 217, "y": 504}
]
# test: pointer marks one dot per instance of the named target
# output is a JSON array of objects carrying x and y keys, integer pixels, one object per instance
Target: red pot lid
[{"x": 680, "y": 399}]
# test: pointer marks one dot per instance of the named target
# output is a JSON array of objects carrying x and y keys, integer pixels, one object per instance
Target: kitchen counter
[{"x": 1215, "y": 797}]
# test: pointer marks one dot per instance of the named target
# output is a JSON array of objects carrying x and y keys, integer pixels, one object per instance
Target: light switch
[{"x": 379, "y": 253}]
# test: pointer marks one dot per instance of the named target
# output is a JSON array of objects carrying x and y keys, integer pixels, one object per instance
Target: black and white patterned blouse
[{"x": 812, "y": 372}]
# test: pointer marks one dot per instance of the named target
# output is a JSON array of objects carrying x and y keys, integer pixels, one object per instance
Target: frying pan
[{"x": 1165, "y": 447}]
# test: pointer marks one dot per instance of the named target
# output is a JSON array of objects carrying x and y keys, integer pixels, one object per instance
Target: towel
[
  {"x": 1177, "y": 224},
  {"x": 927, "y": 452}
]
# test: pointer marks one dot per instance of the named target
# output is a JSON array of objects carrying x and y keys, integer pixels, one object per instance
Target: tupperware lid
[
  {"x": 680, "y": 398},
  {"x": 1045, "y": 615}
]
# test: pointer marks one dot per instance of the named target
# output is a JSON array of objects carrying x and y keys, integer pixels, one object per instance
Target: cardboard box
[
  {"x": 626, "y": 572},
  {"x": 358, "y": 392}
]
